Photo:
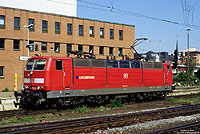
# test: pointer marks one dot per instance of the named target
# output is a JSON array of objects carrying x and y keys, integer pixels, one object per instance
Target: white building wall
[{"x": 60, "y": 7}]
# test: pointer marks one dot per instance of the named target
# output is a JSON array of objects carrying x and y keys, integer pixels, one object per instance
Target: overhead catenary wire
[{"x": 124, "y": 12}]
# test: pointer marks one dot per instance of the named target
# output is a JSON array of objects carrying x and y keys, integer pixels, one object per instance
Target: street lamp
[
  {"x": 28, "y": 27},
  {"x": 188, "y": 55}
]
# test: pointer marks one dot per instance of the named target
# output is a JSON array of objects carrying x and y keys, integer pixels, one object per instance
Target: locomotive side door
[
  {"x": 166, "y": 74},
  {"x": 67, "y": 73}
]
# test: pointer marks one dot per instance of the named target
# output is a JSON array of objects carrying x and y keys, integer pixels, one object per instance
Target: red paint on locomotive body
[{"x": 59, "y": 73}]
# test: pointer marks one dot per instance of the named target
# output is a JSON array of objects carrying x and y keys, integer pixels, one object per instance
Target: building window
[
  {"x": 91, "y": 49},
  {"x": 57, "y": 27},
  {"x": 80, "y": 30},
  {"x": 1, "y": 71},
  {"x": 91, "y": 31},
  {"x": 80, "y": 48},
  {"x": 101, "y": 32},
  {"x": 69, "y": 48},
  {"x": 31, "y": 21},
  {"x": 44, "y": 47},
  {"x": 120, "y": 52},
  {"x": 2, "y": 21},
  {"x": 120, "y": 34},
  {"x": 69, "y": 29},
  {"x": 16, "y": 45},
  {"x": 2, "y": 44},
  {"x": 111, "y": 51},
  {"x": 101, "y": 50},
  {"x": 31, "y": 46},
  {"x": 44, "y": 26},
  {"x": 16, "y": 23},
  {"x": 57, "y": 47},
  {"x": 111, "y": 34}
]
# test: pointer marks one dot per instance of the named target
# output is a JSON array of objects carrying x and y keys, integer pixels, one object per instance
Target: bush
[
  {"x": 117, "y": 103},
  {"x": 5, "y": 90},
  {"x": 83, "y": 109},
  {"x": 187, "y": 80}
]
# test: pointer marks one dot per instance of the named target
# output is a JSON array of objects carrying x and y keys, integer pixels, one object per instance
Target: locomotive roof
[
  {"x": 54, "y": 57},
  {"x": 88, "y": 62},
  {"x": 49, "y": 57}
]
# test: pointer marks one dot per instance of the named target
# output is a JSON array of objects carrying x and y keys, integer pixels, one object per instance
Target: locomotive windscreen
[{"x": 35, "y": 65}]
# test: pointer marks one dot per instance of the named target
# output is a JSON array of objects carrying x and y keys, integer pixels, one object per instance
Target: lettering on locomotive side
[{"x": 85, "y": 77}]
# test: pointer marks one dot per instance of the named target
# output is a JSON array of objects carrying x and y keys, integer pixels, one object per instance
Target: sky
[{"x": 148, "y": 16}]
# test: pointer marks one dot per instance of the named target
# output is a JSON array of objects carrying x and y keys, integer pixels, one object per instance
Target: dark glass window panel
[
  {"x": 135, "y": 64},
  {"x": 111, "y": 34},
  {"x": 31, "y": 21},
  {"x": 101, "y": 50},
  {"x": 2, "y": 43},
  {"x": 44, "y": 26},
  {"x": 124, "y": 64},
  {"x": 31, "y": 47},
  {"x": 101, "y": 32},
  {"x": 17, "y": 23},
  {"x": 120, "y": 52},
  {"x": 56, "y": 47},
  {"x": 57, "y": 27},
  {"x": 1, "y": 71},
  {"x": 91, "y": 49},
  {"x": 44, "y": 47},
  {"x": 59, "y": 65},
  {"x": 111, "y": 51},
  {"x": 69, "y": 29},
  {"x": 80, "y": 48},
  {"x": 69, "y": 47},
  {"x": 39, "y": 65},
  {"x": 120, "y": 34},
  {"x": 2, "y": 21},
  {"x": 112, "y": 64},
  {"x": 91, "y": 31},
  {"x": 16, "y": 44},
  {"x": 80, "y": 30}
]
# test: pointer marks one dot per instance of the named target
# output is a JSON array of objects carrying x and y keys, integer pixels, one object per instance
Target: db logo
[{"x": 125, "y": 75}]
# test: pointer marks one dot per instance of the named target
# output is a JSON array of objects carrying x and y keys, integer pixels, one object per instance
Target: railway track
[
  {"x": 186, "y": 128},
  {"x": 92, "y": 124},
  {"x": 22, "y": 113}
]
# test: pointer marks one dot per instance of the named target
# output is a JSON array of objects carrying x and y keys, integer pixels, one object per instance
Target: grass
[
  {"x": 46, "y": 117},
  {"x": 17, "y": 120},
  {"x": 193, "y": 100},
  {"x": 101, "y": 109},
  {"x": 83, "y": 109}
]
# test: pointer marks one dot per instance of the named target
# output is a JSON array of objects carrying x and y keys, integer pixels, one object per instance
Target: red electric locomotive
[{"x": 64, "y": 80}]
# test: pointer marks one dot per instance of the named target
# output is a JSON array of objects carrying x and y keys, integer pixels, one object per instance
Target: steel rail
[
  {"x": 183, "y": 128},
  {"x": 89, "y": 124}
]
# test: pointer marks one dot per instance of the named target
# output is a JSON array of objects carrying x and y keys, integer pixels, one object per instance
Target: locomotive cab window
[
  {"x": 39, "y": 64},
  {"x": 29, "y": 65},
  {"x": 35, "y": 65},
  {"x": 59, "y": 65}
]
